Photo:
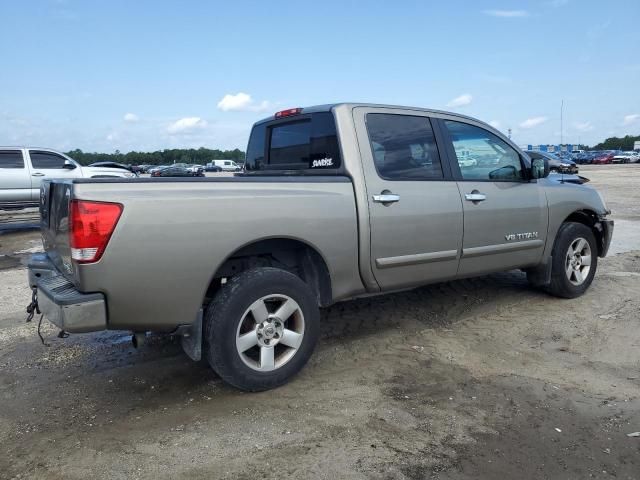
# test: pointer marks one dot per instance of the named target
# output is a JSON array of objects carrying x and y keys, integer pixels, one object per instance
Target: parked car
[
  {"x": 312, "y": 222},
  {"x": 172, "y": 171},
  {"x": 196, "y": 170},
  {"x": 465, "y": 159},
  {"x": 556, "y": 165},
  {"x": 156, "y": 168},
  {"x": 626, "y": 157},
  {"x": 212, "y": 168},
  {"x": 22, "y": 170},
  {"x": 603, "y": 159},
  {"x": 226, "y": 165},
  {"x": 113, "y": 165},
  {"x": 583, "y": 158}
]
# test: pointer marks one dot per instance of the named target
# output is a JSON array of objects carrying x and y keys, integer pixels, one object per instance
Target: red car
[{"x": 603, "y": 159}]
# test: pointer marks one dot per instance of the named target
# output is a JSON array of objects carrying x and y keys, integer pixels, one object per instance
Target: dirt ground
[{"x": 474, "y": 379}]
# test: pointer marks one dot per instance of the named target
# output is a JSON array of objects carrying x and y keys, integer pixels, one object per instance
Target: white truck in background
[
  {"x": 22, "y": 170},
  {"x": 636, "y": 145}
]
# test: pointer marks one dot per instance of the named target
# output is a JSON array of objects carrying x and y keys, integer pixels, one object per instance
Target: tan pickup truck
[{"x": 336, "y": 202}]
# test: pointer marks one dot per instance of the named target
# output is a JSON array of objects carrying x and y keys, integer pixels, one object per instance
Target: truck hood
[{"x": 566, "y": 178}]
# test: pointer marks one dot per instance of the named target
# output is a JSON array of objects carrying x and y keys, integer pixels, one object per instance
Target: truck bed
[{"x": 181, "y": 230}]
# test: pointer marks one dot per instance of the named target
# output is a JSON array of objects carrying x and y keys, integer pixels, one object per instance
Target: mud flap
[
  {"x": 192, "y": 338},
  {"x": 540, "y": 276}
]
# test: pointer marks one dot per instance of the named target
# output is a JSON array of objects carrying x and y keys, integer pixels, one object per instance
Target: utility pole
[{"x": 561, "y": 132}]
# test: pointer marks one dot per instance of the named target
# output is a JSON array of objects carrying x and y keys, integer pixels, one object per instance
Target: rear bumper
[{"x": 61, "y": 303}]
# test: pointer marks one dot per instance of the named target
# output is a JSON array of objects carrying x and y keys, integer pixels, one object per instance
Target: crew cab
[
  {"x": 22, "y": 170},
  {"x": 336, "y": 202}
]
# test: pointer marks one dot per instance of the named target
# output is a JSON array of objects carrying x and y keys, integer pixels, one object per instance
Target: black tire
[
  {"x": 226, "y": 312},
  {"x": 561, "y": 285}
]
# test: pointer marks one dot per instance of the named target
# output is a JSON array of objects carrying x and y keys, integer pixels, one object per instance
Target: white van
[{"x": 226, "y": 165}]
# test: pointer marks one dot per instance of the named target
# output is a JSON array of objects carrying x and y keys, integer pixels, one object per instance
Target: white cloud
[
  {"x": 186, "y": 125},
  {"x": 242, "y": 102},
  {"x": 629, "y": 119},
  {"x": 533, "y": 122},
  {"x": 131, "y": 117},
  {"x": 495, "y": 124},
  {"x": 583, "y": 127},
  {"x": 506, "y": 13},
  {"x": 461, "y": 101}
]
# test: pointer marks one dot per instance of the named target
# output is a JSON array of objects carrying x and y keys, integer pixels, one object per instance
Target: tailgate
[{"x": 55, "y": 196}]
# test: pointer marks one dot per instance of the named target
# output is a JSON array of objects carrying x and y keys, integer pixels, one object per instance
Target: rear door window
[
  {"x": 404, "y": 147},
  {"x": 11, "y": 159},
  {"x": 302, "y": 144}
]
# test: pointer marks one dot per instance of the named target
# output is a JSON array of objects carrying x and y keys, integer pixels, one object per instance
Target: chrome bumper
[{"x": 61, "y": 303}]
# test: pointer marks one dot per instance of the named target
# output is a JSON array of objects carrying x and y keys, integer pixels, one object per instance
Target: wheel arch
[
  {"x": 291, "y": 254},
  {"x": 590, "y": 219}
]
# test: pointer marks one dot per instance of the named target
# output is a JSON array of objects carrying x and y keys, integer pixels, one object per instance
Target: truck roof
[
  {"x": 329, "y": 106},
  {"x": 23, "y": 147}
]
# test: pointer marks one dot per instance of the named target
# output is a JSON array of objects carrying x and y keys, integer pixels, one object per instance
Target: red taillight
[
  {"x": 92, "y": 224},
  {"x": 289, "y": 112}
]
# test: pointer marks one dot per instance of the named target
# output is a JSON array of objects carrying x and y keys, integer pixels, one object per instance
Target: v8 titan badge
[{"x": 521, "y": 236}]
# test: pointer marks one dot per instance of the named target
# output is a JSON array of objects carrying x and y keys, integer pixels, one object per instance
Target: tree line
[
  {"x": 198, "y": 156},
  {"x": 617, "y": 143}
]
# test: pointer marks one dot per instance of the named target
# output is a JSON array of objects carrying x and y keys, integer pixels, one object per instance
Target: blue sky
[{"x": 145, "y": 75}]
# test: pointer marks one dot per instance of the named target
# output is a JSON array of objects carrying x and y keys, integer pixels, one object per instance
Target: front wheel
[
  {"x": 574, "y": 260},
  {"x": 261, "y": 328}
]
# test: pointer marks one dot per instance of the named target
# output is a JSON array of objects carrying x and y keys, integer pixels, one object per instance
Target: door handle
[
  {"x": 37, "y": 174},
  {"x": 475, "y": 196},
  {"x": 386, "y": 198}
]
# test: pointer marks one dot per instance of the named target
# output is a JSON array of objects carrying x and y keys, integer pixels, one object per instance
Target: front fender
[{"x": 569, "y": 199}]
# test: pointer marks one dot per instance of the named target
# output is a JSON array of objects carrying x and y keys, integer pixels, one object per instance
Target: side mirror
[
  {"x": 539, "y": 168},
  {"x": 69, "y": 165}
]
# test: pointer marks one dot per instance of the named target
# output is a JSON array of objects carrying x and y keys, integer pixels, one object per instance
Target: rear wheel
[
  {"x": 261, "y": 328},
  {"x": 574, "y": 260}
]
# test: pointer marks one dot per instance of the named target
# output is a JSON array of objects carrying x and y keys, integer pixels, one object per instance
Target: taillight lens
[{"x": 92, "y": 224}]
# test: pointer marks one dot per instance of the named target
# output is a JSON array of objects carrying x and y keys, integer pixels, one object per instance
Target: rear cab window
[
  {"x": 11, "y": 159},
  {"x": 301, "y": 144}
]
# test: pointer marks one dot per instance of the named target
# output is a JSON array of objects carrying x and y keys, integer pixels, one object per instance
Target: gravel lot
[{"x": 481, "y": 378}]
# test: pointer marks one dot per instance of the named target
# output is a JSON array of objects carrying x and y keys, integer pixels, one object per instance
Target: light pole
[{"x": 561, "y": 133}]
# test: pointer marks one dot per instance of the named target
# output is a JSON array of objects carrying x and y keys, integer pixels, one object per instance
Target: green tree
[
  {"x": 201, "y": 155},
  {"x": 617, "y": 143}
]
